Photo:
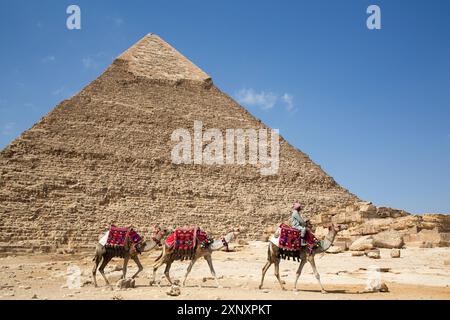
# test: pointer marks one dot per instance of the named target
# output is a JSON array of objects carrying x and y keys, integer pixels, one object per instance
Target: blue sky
[{"x": 372, "y": 107}]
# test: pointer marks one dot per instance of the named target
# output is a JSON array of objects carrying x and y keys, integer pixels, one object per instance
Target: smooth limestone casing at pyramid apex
[{"x": 104, "y": 156}]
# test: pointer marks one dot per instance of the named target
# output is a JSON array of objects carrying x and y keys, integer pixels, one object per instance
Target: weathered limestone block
[
  {"x": 343, "y": 243},
  {"x": 367, "y": 207},
  {"x": 374, "y": 253},
  {"x": 384, "y": 212},
  {"x": 427, "y": 238},
  {"x": 347, "y": 217},
  {"x": 372, "y": 227},
  {"x": 395, "y": 253},
  {"x": 388, "y": 239},
  {"x": 362, "y": 244},
  {"x": 334, "y": 249}
]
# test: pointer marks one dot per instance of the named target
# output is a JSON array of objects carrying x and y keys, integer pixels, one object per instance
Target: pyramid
[{"x": 104, "y": 156}]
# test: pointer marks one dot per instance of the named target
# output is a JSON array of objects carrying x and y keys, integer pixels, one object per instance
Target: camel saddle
[
  {"x": 117, "y": 238},
  {"x": 289, "y": 238},
  {"x": 185, "y": 241}
]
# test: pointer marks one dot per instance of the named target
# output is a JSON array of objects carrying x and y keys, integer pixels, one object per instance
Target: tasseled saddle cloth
[
  {"x": 184, "y": 242},
  {"x": 289, "y": 240},
  {"x": 117, "y": 239}
]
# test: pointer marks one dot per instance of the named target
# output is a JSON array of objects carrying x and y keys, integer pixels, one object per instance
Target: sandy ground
[{"x": 419, "y": 274}]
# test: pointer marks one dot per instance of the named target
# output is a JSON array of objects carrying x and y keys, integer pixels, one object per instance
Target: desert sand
[{"x": 420, "y": 273}]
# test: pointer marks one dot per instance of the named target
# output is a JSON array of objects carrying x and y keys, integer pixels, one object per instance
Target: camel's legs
[
  {"x": 189, "y": 269},
  {"x": 138, "y": 263},
  {"x": 155, "y": 268},
  {"x": 316, "y": 273},
  {"x": 299, "y": 272},
  {"x": 106, "y": 260},
  {"x": 167, "y": 270},
  {"x": 125, "y": 265},
  {"x": 211, "y": 268},
  {"x": 277, "y": 273},
  {"x": 264, "y": 270},
  {"x": 94, "y": 270}
]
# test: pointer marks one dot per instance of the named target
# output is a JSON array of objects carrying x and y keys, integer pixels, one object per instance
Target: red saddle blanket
[
  {"x": 118, "y": 236},
  {"x": 290, "y": 238},
  {"x": 186, "y": 238}
]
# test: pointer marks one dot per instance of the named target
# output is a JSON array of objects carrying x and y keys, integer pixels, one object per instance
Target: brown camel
[
  {"x": 274, "y": 256},
  {"x": 104, "y": 254},
  {"x": 168, "y": 257}
]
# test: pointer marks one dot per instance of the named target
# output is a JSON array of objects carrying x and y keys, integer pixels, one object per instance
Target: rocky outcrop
[{"x": 383, "y": 227}]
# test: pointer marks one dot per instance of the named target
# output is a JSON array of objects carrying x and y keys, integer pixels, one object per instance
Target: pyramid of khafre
[{"x": 104, "y": 156}]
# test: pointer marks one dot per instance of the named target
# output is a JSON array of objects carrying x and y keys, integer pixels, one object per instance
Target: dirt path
[{"x": 418, "y": 274}]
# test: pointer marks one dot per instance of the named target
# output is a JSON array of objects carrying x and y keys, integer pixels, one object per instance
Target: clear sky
[{"x": 372, "y": 107}]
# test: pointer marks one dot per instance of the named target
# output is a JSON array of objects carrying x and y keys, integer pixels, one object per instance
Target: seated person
[{"x": 297, "y": 221}]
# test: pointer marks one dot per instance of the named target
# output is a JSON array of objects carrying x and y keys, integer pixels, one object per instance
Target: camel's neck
[
  {"x": 219, "y": 244},
  {"x": 150, "y": 244},
  {"x": 326, "y": 243}
]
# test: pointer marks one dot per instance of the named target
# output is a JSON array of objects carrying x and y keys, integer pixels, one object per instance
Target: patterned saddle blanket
[
  {"x": 117, "y": 237},
  {"x": 289, "y": 239},
  {"x": 186, "y": 240}
]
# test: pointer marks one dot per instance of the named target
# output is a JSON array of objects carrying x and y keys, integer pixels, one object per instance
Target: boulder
[
  {"x": 374, "y": 254},
  {"x": 174, "y": 291},
  {"x": 125, "y": 283},
  {"x": 395, "y": 253},
  {"x": 388, "y": 239},
  {"x": 384, "y": 287},
  {"x": 377, "y": 287},
  {"x": 334, "y": 249},
  {"x": 367, "y": 207},
  {"x": 357, "y": 253},
  {"x": 362, "y": 244}
]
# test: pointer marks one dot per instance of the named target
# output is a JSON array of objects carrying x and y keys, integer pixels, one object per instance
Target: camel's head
[
  {"x": 234, "y": 233},
  {"x": 159, "y": 233},
  {"x": 337, "y": 227}
]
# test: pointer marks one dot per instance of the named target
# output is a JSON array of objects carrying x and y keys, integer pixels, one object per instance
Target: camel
[
  {"x": 167, "y": 257},
  {"x": 273, "y": 257},
  {"x": 104, "y": 254}
]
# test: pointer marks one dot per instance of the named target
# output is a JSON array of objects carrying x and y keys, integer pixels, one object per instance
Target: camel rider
[{"x": 297, "y": 221}]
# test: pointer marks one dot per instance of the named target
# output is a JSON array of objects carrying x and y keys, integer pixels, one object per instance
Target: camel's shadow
[
  {"x": 343, "y": 291},
  {"x": 166, "y": 285}
]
